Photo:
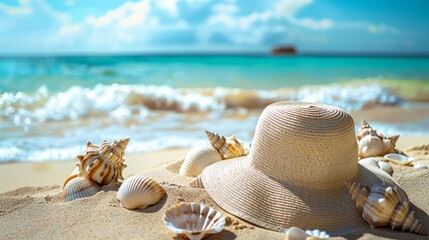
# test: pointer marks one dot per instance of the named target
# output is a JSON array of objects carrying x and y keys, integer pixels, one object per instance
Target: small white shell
[
  {"x": 420, "y": 165},
  {"x": 398, "y": 158},
  {"x": 194, "y": 221},
  {"x": 295, "y": 233},
  {"x": 139, "y": 192},
  {"x": 198, "y": 158},
  {"x": 385, "y": 166},
  {"x": 79, "y": 188}
]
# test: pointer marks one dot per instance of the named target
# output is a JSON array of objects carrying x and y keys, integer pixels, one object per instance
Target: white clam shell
[
  {"x": 193, "y": 220},
  {"x": 198, "y": 158},
  {"x": 295, "y": 233},
  {"x": 139, "y": 192},
  {"x": 398, "y": 158},
  {"x": 79, "y": 188}
]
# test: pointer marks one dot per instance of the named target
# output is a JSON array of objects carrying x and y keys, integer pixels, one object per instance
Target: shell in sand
[
  {"x": 228, "y": 147},
  {"x": 295, "y": 233},
  {"x": 79, "y": 188},
  {"x": 193, "y": 221},
  {"x": 398, "y": 159},
  {"x": 197, "y": 182},
  {"x": 103, "y": 164},
  {"x": 198, "y": 158},
  {"x": 382, "y": 206},
  {"x": 373, "y": 146},
  {"x": 139, "y": 192}
]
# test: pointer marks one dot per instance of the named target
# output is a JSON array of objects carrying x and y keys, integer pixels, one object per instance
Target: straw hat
[{"x": 294, "y": 175}]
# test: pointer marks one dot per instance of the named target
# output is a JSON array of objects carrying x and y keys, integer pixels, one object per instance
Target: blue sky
[{"x": 109, "y": 26}]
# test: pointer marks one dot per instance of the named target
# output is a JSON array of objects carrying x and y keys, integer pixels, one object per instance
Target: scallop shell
[
  {"x": 232, "y": 148},
  {"x": 139, "y": 192},
  {"x": 103, "y": 164},
  {"x": 194, "y": 221},
  {"x": 398, "y": 159},
  {"x": 198, "y": 158},
  {"x": 382, "y": 205},
  {"x": 79, "y": 188},
  {"x": 373, "y": 146},
  {"x": 295, "y": 233},
  {"x": 197, "y": 182}
]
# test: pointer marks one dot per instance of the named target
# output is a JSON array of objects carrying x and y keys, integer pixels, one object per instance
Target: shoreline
[{"x": 40, "y": 174}]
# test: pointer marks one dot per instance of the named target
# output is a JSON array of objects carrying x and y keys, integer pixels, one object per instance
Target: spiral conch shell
[
  {"x": 382, "y": 205},
  {"x": 194, "y": 221},
  {"x": 139, "y": 192},
  {"x": 198, "y": 158},
  {"x": 79, "y": 188},
  {"x": 295, "y": 233},
  {"x": 228, "y": 147},
  {"x": 372, "y": 144},
  {"x": 103, "y": 164}
]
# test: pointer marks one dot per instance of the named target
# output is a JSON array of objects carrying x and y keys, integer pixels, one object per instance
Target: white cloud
[
  {"x": 70, "y": 29},
  {"x": 321, "y": 24},
  {"x": 168, "y": 5},
  {"x": 225, "y": 8},
  {"x": 129, "y": 14},
  {"x": 23, "y": 8},
  {"x": 242, "y": 22},
  {"x": 369, "y": 27},
  {"x": 288, "y": 8}
]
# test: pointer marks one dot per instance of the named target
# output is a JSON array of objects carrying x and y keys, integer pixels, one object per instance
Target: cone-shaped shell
[
  {"x": 103, "y": 164},
  {"x": 232, "y": 148},
  {"x": 383, "y": 206},
  {"x": 197, "y": 182},
  {"x": 295, "y": 233},
  {"x": 79, "y": 188},
  {"x": 194, "y": 221},
  {"x": 398, "y": 159},
  {"x": 198, "y": 158},
  {"x": 139, "y": 192},
  {"x": 365, "y": 130},
  {"x": 216, "y": 140}
]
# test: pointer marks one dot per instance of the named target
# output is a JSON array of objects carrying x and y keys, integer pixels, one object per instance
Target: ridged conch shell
[
  {"x": 79, "y": 188},
  {"x": 295, "y": 233},
  {"x": 103, "y": 164},
  {"x": 197, "y": 182},
  {"x": 382, "y": 206},
  {"x": 365, "y": 130},
  {"x": 228, "y": 147},
  {"x": 398, "y": 159},
  {"x": 139, "y": 192},
  {"x": 198, "y": 158},
  {"x": 194, "y": 221},
  {"x": 379, "y": 145}
]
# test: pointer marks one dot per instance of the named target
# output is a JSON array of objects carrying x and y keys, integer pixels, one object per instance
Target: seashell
[
  {"x": 398, "y": 159},
  {"x": 198, "y": 158},
  {"x": 365, "y": 130},
  {"x": 139, "y": 192},
  {"x": 295, "y": 233},
  {"x": 79, "y": 187},
  {"x": 194, "y": 221},
  {"x": 103, "y": 164},
  {"x": 382, "y": 205},
  {"x": 216, "y": 140},
  {"x": 232, "y": 148},
  {"x": 385, "y": 166},
  {"x": 197, "y": 182},
  {"x": 420, "y": 165},
  {"x": 373, "y": 146},
  {"x": 228, "y": 147}
]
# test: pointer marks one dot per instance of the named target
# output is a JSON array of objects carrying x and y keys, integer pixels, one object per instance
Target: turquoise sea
[{"x": 50, "y": 106}]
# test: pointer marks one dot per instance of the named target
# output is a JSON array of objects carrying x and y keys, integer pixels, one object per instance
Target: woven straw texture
[{"x": 294, "y": 175}]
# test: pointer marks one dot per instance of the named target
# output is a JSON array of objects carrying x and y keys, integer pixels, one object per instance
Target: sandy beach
[{"x": 30, "y": 203}]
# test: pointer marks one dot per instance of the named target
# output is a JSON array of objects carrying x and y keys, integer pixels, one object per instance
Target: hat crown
[{"x": 309, "y": 145}]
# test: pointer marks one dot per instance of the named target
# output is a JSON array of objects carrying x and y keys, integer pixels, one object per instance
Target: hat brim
[{"x": 240, "y": 189}]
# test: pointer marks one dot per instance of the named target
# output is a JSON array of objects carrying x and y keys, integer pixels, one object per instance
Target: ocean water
[{"x": 50, "y": 106}]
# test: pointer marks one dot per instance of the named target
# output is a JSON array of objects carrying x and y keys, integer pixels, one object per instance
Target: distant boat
[{"x": 283, "y": 50}]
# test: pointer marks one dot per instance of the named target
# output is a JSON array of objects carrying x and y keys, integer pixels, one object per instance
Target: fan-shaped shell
[
  {"x": 79, "y": 188},
  {"x": 140, "y": 192},
  {"x": 398, "y": 159},
  {"x": 194, "y": 221},
  {"x": 197, "y": 182},
  {"x": 382, "y": 206},
  {"x": 103, "y": 164},
  {"x": 198, "y": 158},
  {"x": 295, "y": 233},
  {"x": 232, "y": 148}
]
